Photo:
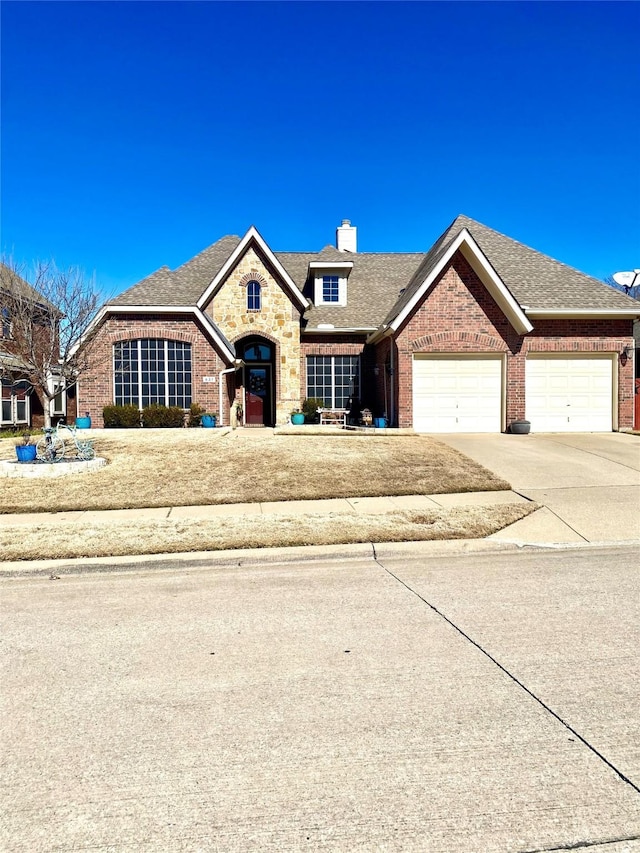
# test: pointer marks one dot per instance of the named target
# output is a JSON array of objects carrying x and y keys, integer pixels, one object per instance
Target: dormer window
[
  {"x": 254, "y": 296},
  {"x": 330, "y": 282},
  {"x": 330, "y": 288}
]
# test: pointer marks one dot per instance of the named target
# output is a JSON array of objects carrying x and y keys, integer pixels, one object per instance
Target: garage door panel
[
  {"x": 457, "y": 394},
  {"x": 569, "y": 394}
]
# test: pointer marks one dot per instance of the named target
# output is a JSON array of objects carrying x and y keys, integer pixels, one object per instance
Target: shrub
[
  {"x": 310, "y": 409},
  {"x": 195, "y": 415},
  {"x": 157, "y": 415},
  {"x": 121, "y": 417}
]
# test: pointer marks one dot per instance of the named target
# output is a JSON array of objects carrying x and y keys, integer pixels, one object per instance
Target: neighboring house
[
  {"x": 467, "y": 337},
  {"x": 20, "y": 403}
]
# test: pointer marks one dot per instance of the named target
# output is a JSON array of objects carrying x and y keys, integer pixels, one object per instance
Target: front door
[{"x": 258, "y": 395}]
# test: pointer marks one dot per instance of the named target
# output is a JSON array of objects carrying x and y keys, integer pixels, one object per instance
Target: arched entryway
[{"x": 258, "y": 355}]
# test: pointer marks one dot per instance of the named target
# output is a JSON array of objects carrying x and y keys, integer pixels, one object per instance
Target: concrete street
[{"x": 481, "y": 701}]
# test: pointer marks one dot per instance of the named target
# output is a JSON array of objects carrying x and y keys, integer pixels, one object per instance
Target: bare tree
[{"x": 46, "y": 326}]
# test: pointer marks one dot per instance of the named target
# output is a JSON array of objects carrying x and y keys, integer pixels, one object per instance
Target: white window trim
[
  {"x": 167, "y": 389},
  {"x": 342, "y": 289},
  {"x": 14, "y": 408},
  {"x": 356, "y": 393}
]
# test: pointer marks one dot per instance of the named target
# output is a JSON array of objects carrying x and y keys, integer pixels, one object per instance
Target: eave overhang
[
  {"x": 331, "y": 265},
  {"x": 254, "y": 236},
  {"x": 360, "y": 330},
  {"x": 209, "y": 327}
]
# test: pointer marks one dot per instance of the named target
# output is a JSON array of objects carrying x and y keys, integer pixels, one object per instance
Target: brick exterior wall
[
  {"x": 95, "y": 390},
  {"x": 278, "y": 320},
  {"x": 458, "y": 315}
]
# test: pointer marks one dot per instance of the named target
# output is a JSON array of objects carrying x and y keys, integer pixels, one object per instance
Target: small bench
[{"x": 333, "y": 417}]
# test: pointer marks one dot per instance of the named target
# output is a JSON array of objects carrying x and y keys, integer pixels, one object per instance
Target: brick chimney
[{"x": 346, "y": 237}]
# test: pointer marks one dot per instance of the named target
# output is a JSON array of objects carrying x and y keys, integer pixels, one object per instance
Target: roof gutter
[
  {"x": 379, "y": 334},
  {"x": 595, "y": 313},
  {"x": 362, "y": 330}
]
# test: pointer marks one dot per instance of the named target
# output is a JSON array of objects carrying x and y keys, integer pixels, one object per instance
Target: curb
[{"x": 265, "y": 557}]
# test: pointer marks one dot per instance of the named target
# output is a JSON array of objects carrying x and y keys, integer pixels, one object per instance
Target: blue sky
[{"x": 136, "y": 134}]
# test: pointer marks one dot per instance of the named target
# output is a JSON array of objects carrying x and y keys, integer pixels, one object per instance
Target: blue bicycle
[{"x": 61, "y": 443}]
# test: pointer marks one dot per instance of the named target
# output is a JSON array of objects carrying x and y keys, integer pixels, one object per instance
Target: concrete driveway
[{"x": 588, "y": 483}]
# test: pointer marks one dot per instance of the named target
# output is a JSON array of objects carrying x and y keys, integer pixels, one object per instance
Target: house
[
  {"x": 27, "y": 329},
  {"x": 477, "y": 332}
]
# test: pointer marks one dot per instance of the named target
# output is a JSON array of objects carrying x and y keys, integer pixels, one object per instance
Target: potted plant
[
  {"x": 310, "y": 408},
  {"x": 195, "y": 415},
  {"x": 25, "y": 451},
  {"x": 297, "y": 417},
  {"x": 520, "y": 427},
  {"x": 208, "y": 419},
  {"x": 85, "y": 422}
]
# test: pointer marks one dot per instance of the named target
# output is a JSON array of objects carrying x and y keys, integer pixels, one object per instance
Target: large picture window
[
  {"x": 333, "y": 378},
  {"x": 152, "y": 371}
]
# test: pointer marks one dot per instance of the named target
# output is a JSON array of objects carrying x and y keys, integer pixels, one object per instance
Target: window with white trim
[
  {"x": 333, "y": 378},
  {"x": 330, "y": 288},
  {"x": 152, "y": 370},
  {"x": 14, "y": 405}
]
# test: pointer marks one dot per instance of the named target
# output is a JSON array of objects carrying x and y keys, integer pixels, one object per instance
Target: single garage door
[
  {"x": 569, "y": 394},
  {"x": 457, "y": 394}
]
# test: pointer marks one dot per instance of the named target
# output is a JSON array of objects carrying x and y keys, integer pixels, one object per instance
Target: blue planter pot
[
  {"x": 26, "y": 452},
  {"x": 208, "y": 421},
  {"x": 380, "y": 423},
  {"x": 83, "y": 423},
  {"x": 297, "y": 419}
]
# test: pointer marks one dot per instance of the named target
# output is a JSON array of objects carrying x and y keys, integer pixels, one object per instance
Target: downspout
[
  {"x": 392, "y": 373},
  {"x": 237, "y": 363},
  {"x": 220, "y": 375}
]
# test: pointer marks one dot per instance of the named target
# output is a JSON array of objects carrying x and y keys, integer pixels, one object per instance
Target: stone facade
[{"x": 277, "y": 320}]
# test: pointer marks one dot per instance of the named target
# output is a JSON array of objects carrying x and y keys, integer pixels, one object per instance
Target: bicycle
[{"x": 61, "y": 442}]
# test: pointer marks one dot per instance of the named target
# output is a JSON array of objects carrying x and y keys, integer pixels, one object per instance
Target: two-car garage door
[
  {"x": 569, "y": 393},
  {"x": 457, "y": 394},
  {"x": 564, "y": 393}
]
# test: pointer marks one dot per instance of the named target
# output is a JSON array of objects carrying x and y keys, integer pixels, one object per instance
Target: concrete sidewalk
[{"x": 333, "y": 506}]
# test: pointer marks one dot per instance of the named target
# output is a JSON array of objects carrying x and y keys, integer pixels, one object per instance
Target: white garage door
[
  {"x": 457, "y": 394},
  {"x": 569, "y": 394}
]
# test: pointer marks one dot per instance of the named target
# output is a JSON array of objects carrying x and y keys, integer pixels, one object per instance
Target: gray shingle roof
[
  {"x": 380, "y": 284},
  {"x": 11, "y": 281},
  {"x": 536, "y": 280},
  {"x": 182, "y": 286},
  {"x": 373, "y": 286}
]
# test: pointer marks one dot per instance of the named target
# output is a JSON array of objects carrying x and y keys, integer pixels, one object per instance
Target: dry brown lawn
[
  {"x": 157, "y": 468},
  {"x": 68, "y": 539}
]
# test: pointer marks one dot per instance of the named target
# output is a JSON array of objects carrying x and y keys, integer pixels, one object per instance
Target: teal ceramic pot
[
  {"x": 297, "y": 419},
  {"x": 208, "y": 421},
  {"x": 83, "y": 423}
]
